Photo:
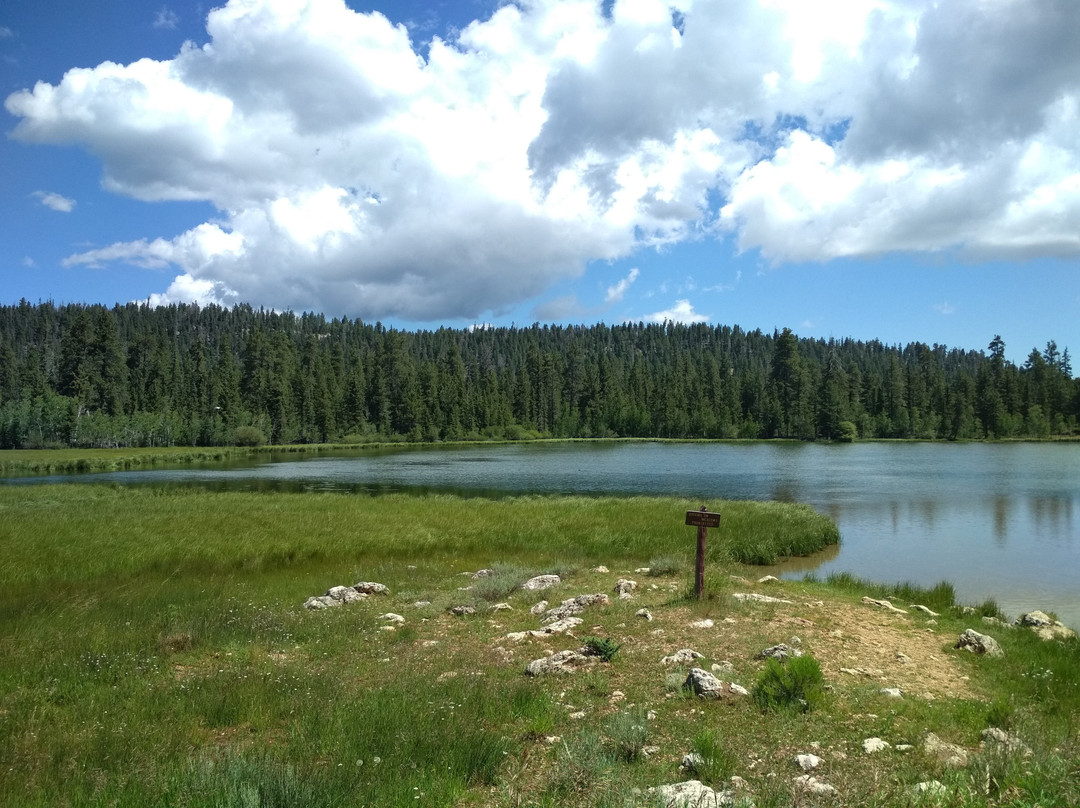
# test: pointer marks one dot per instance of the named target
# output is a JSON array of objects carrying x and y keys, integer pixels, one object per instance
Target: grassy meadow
[{"x": 154, "y": 650}]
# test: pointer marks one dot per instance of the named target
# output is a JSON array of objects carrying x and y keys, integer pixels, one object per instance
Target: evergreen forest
[{"x": 131, "y": 375}]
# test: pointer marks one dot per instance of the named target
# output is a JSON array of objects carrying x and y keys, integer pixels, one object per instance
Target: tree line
[{"x": 131, "y": 375}]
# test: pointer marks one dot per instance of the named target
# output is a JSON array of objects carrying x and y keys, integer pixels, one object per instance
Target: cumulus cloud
[
  {"x": 945, "y": 308},
  {"x": 354, "y": 175},
  {"x": 615, "y": 293},
  {"x": 681, "y": 312},
  {"x": 53, "y": 201}
]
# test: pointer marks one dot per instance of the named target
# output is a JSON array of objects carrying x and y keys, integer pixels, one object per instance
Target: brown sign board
[{"x": 702, "y": 519}]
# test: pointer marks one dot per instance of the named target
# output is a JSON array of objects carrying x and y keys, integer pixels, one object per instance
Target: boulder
[
  {"x": 624, "y": 588},
  {"x": 948, "y": 754},
  {"x": 541, "y": 582},
  {"x": 981, "y": 644},
  {"x": 872, "y": 746},
  {"x": 995, "y": 737},
  {"x": 390, "y": 617},
  {"x": 692, "y": 794},
  {"x": 706, "y": 623},
  {"x": 346, "y": 594},
  {"x": 706, "y": 686},
  {"x": 1045, "y": 626},
  {"x": 563, "y": 662},
  {"x": 809, "y": 784},
  {"x": 882, "y": 603},
  {"x": 324, "y": 602},
  {"x": 684, "y": 656},
  {"x": 558, "y": 627},
  {"x": 781, "y": 652},
  {"x": 371, "y": 588},
  {"x": 753, "y": 597},
  {"x": 574, "y": 606},
  {"x": 539, "y": 608}
]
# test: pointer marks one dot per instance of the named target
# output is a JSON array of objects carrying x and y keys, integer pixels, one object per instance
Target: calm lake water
[{"x": 998, "y": 520}]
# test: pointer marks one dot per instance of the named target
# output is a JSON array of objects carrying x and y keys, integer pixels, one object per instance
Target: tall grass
[{"x": 71, "y": 533}]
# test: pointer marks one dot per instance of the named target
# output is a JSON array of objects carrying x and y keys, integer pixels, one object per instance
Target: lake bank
[
  {"x": 1000, "y": 520},
  {"x": 156, "y": 651}
]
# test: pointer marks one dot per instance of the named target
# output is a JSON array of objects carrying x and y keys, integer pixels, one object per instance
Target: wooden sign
[{"x": 702, "y": 519}]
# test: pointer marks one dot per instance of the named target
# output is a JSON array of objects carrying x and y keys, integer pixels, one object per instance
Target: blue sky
[{"x": 904, "y": 171}]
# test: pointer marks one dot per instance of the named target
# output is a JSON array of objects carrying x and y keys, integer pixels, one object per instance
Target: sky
[{"x": 901, "y": 170}]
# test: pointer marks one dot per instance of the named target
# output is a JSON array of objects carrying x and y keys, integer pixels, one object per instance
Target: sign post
[{"x": 702, "y": 520}]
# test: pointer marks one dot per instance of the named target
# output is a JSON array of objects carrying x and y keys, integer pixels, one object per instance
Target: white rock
[
  {"x": 644, "y": 614},
  {"x": 483, "y": 573},
  {"x": 324, "y": 602},
  {"x": 371, "y": 588},
  {"x": 692, "y": 794},
  {"x": 924, "y": 609},
  {"x": 692, "y": 762},
  {"x": 706, "y": 623},
  {"x": 743, "y": 597},
  {"x": 643, "y": 570},
  {"x": 461, "y": 611},
  {"x": 420, "y": 604},
  {"x": 892, "y": 692},
  {"x": 811, "y": 785},
  {"x": 768, "y": 579},
  {"x": 780, "y": 652},
  {"x": 684, "y": 656},
  {"x": 874, "y": 745},
  {"x": 808, "y": 762},
  {"x": 953, "y": 756},
  {"x": 541, "y": 582},
  {"x": 390, "y": 617},
  {"x": 346, "y": 594},
  {"x": 724, "y": 666},
  {"x": 707, "y": 686},
  {"x": 624, "y": 587},
  {"x": 884, "y": 604},
  {"x": 562, "y": 662},
  {"x": 539, "y": 608},
  {"x": 576, "y": 605},
  {"x": 601, "y": 568},
  {"x": 502, "y": 607}
]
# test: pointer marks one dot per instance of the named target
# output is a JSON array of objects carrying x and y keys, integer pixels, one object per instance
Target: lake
[{"x": 997, "y": 520}]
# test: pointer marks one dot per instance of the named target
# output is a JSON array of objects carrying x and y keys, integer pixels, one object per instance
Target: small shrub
[
  {"x": 715, "y": 763},
  {"x": 794, "y": 687},
  {"x": 583, "y": 763},
  {"x": 603, "y": 647},
  {"x": 628, "y": 732},
  {"x": 665, "y": 566}
]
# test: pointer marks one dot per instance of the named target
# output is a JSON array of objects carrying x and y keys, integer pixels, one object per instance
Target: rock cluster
[
  {"x": 574, "y": 606},
  {"x": 1045, "y": 626},
  {"x": 340, "y": 595}
]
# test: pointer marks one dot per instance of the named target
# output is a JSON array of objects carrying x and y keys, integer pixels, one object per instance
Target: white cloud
[
  {"x": 945, "y": 308},
  {"x": 29, "y": 262},
  {"x": 352, "y": 175},
  {"x": 615, "y": 293},
  {"x": 6, "y": 33},
  {"x": 57, "y": 202},
  {"x": 166, "y": 18},
  {"x": 681, "y": 312}
]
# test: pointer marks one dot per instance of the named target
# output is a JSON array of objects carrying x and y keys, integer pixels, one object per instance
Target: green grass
[{"x": 153, "y": 651}]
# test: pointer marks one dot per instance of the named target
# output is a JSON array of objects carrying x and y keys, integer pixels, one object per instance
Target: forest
[{"x": 132, "y": 375}]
